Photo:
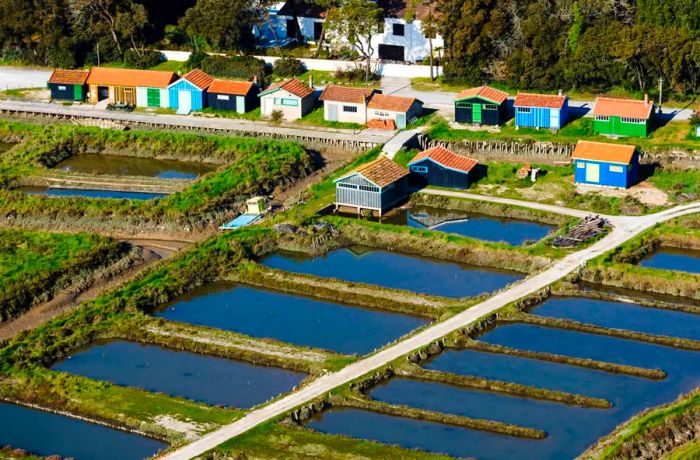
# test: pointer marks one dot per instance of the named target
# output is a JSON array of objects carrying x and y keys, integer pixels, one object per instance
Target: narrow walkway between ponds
[{"x": 624, "y": 230}]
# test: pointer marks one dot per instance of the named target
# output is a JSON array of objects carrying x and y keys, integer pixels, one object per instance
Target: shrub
[
  {"x": 142, "y": 60},
  {"x": 276, "y": 116},
  {"x": 289, "y": 67},
  {"x": 195, "y": 60},
  {"x": 354, "y": 74},
  {"x": 237, "y": 67}
]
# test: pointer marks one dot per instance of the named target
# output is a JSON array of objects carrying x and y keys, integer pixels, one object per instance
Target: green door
[
  {"x": 476, "y": 113},
  {"x": 77, "y": 93},
  {"x": 153, "y": 97}
]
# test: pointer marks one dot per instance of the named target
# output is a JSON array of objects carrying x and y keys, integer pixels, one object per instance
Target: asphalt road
[{"x": 625, "y": 229}]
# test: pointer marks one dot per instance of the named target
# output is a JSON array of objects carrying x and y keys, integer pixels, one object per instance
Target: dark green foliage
[
  {"x": 289, "y": 67},
  {"x": 142, "y": 59},
  {"x": 235, "y": 67}
]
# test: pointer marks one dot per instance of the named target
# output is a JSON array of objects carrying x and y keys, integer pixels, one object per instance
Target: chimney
[
  {"x": 255, "y": 79},
  {"x": 560, "y": 92},
  {"x": 646, "y": 98},
  {"x": 311, "y": 81}
]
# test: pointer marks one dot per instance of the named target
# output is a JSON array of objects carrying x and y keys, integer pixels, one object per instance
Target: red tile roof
[
  {"x": 446, "y": 158},
  {"x": 130, "y": 77},
  {"x": 551, "y": 101},
  {"x": 631, "y": 108},
  {"x": 346, "y": 94},
  {"x": 198, "y": 78},
  {"x": 391, "y": 103},
  {"x": 601, "y": 151},
  {"x": 486, "y": 92},
  {"x": 294, "y": 86},
  {"x": 381, "y": 172},
  {"x": 239, "y": 88},
  {"x": 69, "y": 77}
]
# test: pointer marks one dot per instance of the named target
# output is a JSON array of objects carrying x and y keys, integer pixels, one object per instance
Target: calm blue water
[
  {"x": 683, "y": 260},
  {"x": 570, "y": 429},
  {"x": 43, "y": 433},
  {"x": 290, "y": 318},
  {"x": 623, "y": 316},
  {"x": 511, "y": 231},
  {"x": 201, "y": 378},
  {"x": 397, "y": 271},
  {"x": 89, "y": 193}
]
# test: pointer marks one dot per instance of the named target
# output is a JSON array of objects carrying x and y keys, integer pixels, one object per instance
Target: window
[
  {"x": 61, "y": 88},
  {"x": 419, "y": 169},
  {"x": 344, "y": 185},
  {"x": 368, "y": 188},
  {"x": 524, "y": 110},
  {"x": 286, "y": 101},
  {"x": 350, "y": 108},
  {"x": 490, "y": 107},
  {"x": 222, "y": 97},
  {"x": 602, "y": 118},
  {"x": 398, "y": 30},
  {"x": 379, "y": 113},
  {"x": 464, "y": 105},
  {"x": 617, "y": 169},
  {"x": 580, "y": 165},
  {"x": 632, "y": 120}
]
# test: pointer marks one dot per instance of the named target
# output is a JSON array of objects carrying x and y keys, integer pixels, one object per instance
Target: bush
[
  {"x": 289, "y": 67},
  {"x": 195, "y": 60},
  {"x": 143, "y": 60},
  {"x": 354, "y": 74},
  {"x": 276, "y": 116},
  {"x": 236, "y": 67}
]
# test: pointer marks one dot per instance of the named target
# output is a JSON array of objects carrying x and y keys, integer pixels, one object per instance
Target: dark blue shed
[
  {"x": 441, "y": 167},
  {"x": 238, "y": 96},
  {"x": 68, "y": 85},
  {"x": 606, "y": 165},
  {"x": 481, "y": 106}
]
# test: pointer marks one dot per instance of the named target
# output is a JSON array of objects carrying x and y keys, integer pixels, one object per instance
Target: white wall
[{"x": 416, "y": 45}]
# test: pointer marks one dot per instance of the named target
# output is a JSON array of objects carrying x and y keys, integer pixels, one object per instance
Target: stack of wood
[
  {"x": 590, "y": 227},
  {"x": 524, "y": 172},
  {"x": 378, "y": 123}
]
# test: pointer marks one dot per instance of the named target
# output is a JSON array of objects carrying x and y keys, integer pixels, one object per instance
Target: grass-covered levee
[{"x": 248, "y": 167}]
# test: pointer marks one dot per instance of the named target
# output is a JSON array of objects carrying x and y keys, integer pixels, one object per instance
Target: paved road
[
  {"x": 625, "y": 229},
  {"x": 373, "y": 136},
  {"x": 444, "y": 100},
  {"x": 20, "y": 77}
]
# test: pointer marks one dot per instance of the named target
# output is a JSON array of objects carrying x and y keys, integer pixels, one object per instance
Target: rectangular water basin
[
  {"x": 398, "y": 271},
  {"x": 289, "y": 318},
  {"x": 681, "y": 260},
  {"x": 207, "y": 379},
  {"x": 70, "y": 192},
  {"x": 117, "y": 165}
]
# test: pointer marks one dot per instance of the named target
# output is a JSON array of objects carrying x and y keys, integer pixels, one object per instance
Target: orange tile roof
[
  {"x": 601, "y": 151},
  {"x": 130, "y": 77},
  {"x": 492, "y": 94},
  {"x": 391, "y": 103},
  {"x": 381, "y": 172},
  {"x": 294, "y": 86},
  {"x": 346, "y": 94},
  {"x": 446, "y": 158},
  {"x": 608, "y": 106},
  {"x": 240, "y": 88},
  {"x": 198, "y": 78},
  {"x": 69, "y": 77},
  {"x": 552, "y": 101}
]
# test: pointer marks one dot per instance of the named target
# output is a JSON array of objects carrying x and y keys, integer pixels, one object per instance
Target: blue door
[{"x": 401, "y": 120}]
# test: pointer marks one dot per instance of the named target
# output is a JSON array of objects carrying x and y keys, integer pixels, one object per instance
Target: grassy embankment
[
  {"x": 253, "y": 166},
  {"x": 35, "y": 266}
]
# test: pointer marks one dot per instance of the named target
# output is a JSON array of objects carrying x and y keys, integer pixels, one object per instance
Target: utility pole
[
  {"x": 98, "y": 54},
  {"x": 661, "y": 90}
]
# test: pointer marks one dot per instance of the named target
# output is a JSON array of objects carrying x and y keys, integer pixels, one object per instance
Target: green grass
[
  {"x": 170, "y": 66},
  {"x": 253, "y": 115},
  {"x": 689, "y": 451},
  {"x": 20, "y": 92},
  {"x": 316, "y": 118},
  {"x": 322, "y": 77}
]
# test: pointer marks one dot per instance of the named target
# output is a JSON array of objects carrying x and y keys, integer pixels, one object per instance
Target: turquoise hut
[{"x": 190, "y": 92}]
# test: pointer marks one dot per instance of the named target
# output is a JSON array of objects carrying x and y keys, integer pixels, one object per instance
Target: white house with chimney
[{"x": 400, "y": 41}]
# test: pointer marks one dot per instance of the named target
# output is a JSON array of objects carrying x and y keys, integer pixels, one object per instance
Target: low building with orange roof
[
  {"x": 401, "y": 110},
  {"x": 292, "y": 97},
  {"x": 376, "y": 186},
  {"x": 238, "y": 96},
  {"x": 547, "y": 111},
  {"x": 481, "y": 106},
  {"x": 346, "y": 104},
  {"x": 623, "y": 117},
  {"x": 443, "y": 168},
  {"x": 139, "y": 88},
  {"x": 606, "y": 165},
  {"x": 190, "y": 92},
  {"x": 68, "y": 85}
]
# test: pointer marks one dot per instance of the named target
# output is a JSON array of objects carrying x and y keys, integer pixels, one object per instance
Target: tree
[
  {"x": 430, "y": 30},
  {"x": 358, "y": 20}
]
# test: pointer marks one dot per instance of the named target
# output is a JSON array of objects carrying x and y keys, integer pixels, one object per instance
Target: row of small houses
[
  {"x": 616, "y": 117},
  {"x": 379, "y": 185}
]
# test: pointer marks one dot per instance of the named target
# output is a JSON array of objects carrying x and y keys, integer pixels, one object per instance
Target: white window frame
[
  {"x": 602, "y": 118},
  {"x": 616, "y": 169},
  {"x": 419, "y": 169},
  {"x": 223, "y": 97},
  {"x": 524, "y": 109},
  {"x": 62, "y": 87},
  {"x": 350, "y": 109}
]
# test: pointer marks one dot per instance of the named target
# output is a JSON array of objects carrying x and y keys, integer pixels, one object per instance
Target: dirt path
[{"x": 66, "y": 301}]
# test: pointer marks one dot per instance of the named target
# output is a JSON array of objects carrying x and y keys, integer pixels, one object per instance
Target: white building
[
  {"x": 400, "y": 41},
  {"x": 346, "y": 104}
]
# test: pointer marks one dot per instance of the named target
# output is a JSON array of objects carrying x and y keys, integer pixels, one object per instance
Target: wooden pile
[{"x": 590, "y": 227}]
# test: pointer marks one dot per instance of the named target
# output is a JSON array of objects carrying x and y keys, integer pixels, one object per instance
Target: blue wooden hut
[
  {"x": 606, "y": 165},
  {"x": 481, "y": 106},
  {"x": 441, "y": 167},
  {"x": 190, "y": 92},
  {"x": 377, "y": 186},
  {"x": 547, "y": 111}
]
